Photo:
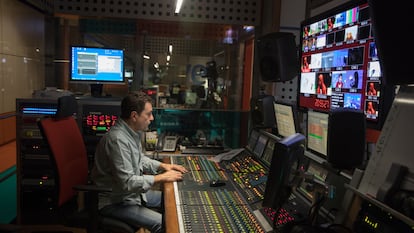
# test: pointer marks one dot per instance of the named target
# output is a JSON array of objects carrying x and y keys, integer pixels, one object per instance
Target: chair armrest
[{"x": 92, "y": 188}]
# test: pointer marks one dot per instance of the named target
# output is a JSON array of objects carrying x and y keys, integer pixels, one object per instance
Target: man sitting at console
[{"x": 121, "y": 164}]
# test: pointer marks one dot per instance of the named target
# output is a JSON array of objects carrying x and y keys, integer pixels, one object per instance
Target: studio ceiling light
[
  {"x": 146, "y": 56},
  {"x": 178, "y": 6}
]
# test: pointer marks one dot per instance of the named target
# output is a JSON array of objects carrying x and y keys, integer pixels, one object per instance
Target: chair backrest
[{"x": 67, "y": 148}]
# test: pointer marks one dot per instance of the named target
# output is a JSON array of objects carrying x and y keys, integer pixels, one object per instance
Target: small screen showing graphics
[
  {"x": 285, "y": 121},
  {"x": 317, "y": 134},
  {"x": 98, "y": 124},
  {"x": 98, "y": 116}
]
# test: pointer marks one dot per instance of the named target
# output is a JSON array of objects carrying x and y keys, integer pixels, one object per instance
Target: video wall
[{"x": 339, "y": 62}]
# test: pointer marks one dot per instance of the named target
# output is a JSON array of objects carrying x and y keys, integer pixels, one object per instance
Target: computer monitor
[
  {"x": 317, "y": 133},
  {"x": 286, "y": 161},
  {"x": 285, "y": 119},
  {"x": 96, "y": 66}
]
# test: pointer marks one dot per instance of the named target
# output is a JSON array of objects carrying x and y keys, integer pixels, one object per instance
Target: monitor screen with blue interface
[{"x": 95, "y": 65}]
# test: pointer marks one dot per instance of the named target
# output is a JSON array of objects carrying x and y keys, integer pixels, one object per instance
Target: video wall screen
[{"x": 339, "y": 63}]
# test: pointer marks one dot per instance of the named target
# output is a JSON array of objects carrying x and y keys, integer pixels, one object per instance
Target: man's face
[{"x": 143, "y": 120}]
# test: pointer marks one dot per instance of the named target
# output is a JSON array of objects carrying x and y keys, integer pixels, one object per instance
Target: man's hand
[
  {"x": 176, "y": 167},
  {"x": 168, "y": 176}
]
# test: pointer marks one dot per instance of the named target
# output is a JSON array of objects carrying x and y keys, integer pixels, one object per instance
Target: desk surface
[{"x": 171, "y": 217}]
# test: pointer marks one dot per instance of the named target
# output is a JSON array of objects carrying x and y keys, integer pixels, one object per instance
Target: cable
[{"x": 314, "y": 210}]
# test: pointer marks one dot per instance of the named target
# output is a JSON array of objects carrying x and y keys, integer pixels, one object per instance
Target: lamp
[{"x": 146, "y": 56}]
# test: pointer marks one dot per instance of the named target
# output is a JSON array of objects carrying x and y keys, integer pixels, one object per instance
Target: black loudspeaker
[
  {"x": 278, "y": 57},
  {"x": 346, "y": 138},
  {"x": 262, "y": 112}
]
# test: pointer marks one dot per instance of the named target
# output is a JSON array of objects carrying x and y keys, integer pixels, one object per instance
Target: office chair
[{"x": 69, "y": 153}]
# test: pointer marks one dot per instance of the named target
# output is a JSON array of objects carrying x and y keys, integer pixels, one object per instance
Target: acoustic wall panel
[{"x": 240, "y": 12}]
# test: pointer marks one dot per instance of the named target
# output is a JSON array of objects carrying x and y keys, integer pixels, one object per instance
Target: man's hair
[{"x": 134, "y": 101}]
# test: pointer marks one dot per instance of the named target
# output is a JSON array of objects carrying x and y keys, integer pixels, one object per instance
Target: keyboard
[{"x": 208, "y": 150}]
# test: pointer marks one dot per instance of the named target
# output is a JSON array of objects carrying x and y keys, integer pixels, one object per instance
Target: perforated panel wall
[
  {"x": 41, "y": 5},
  {"x": 182, "y": 46},
  {"x": 236, "y": 12},
  {"x": 286, "y": 91}
]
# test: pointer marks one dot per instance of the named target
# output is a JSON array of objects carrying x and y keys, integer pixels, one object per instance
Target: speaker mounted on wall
[
  {"x": 262, "y": 111},
  {"x": 346, "y": 138},
  {"x": 278, "y": 57}
]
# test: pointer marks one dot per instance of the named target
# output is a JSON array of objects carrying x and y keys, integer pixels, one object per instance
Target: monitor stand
[{"x": 96, "y": 90}]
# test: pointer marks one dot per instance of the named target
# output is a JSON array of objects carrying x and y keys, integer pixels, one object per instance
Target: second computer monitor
[
  {"x": 317, "y": 133},
  {"x": 285, "y": 119}
]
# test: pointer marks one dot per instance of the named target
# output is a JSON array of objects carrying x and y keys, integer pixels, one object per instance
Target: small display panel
[
  {"x": 268, "y": 152},
  {"x": 98, "y": 124},
  {"x": 98, "y": 116},
  {"x": 38, "y": 110},
  {"x": 254, "y": 135},
  {"x": 260, "y": 145},
  {"x": 317, "y": 134},
  {"x": 285, "y": 120}
]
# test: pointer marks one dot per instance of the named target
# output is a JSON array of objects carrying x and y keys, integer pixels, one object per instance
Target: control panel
[{"x": 226, "y": 193}]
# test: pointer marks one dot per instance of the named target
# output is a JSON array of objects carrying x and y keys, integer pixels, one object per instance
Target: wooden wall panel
[{"x": 22, "y": 47}]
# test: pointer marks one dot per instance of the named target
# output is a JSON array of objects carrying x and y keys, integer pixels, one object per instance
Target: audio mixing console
[{"x": 234, "y": 207}]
